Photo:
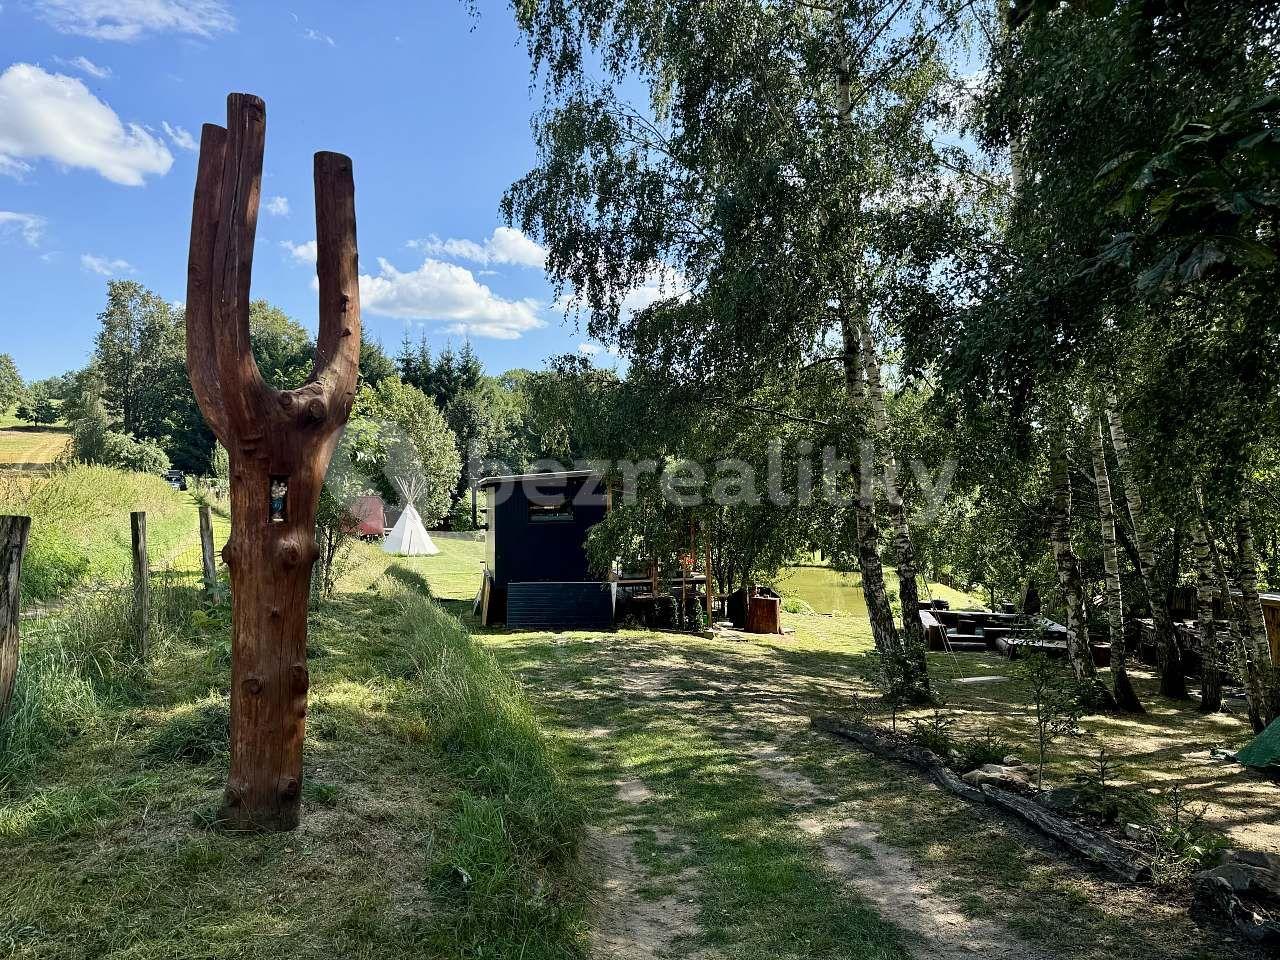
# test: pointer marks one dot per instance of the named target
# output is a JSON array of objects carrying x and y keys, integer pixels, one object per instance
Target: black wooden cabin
[{"x": 536, "y": 570}]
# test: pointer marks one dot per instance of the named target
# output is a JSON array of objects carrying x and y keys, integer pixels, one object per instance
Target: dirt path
[{"x": 672, "y": 724}]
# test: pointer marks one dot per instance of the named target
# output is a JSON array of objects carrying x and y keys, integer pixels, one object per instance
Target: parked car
[{"x": 176, "y": 479}]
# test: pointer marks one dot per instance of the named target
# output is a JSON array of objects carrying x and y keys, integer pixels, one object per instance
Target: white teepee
[{"x": 409, "y": 538}]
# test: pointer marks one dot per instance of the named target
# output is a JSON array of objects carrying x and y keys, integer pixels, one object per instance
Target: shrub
[
  {"x": 1098, "y": 794},
  {"x": 141, "y": 456},
  {"x": 988, "y": 747},
  {"x": 796, "y": 605},
  {"x": 933, "y": 733},
  {"x": 1180, "y": 842}
]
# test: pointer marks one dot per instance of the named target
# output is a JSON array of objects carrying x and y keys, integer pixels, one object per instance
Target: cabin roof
[{"x": 521, "y": 477}]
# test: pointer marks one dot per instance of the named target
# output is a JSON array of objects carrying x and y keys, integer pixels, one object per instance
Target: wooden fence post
[
  {"x": 13, "y": 544},
  {"x": 141, "y": 585},
  {"x": 207, "y": 563},
  {"x": 711, "y": 585}
]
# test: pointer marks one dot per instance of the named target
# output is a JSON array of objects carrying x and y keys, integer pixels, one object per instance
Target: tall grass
[
  {"x": 77, "y": 666},
  {"x": 80, "y": 521},
  {"x": 503, "y": 861}
]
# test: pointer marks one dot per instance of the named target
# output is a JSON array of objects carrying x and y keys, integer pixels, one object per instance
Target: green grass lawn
[
  {"x": 436, "y": 820},
  {"x": 440, "y": 822},
  {"x": 681, "y": 722}
]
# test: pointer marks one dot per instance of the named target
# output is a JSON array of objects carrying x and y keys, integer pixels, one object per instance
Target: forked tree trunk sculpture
[{"x": 279, "y": 442}]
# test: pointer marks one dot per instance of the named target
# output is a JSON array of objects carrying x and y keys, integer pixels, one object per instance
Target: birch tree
[{"x": 1122, "y": 686}]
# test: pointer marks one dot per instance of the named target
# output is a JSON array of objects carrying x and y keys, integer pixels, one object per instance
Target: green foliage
[
  {"x": 1055, "y": 701},
  {"x": 1180, "y": 842},
  {"x": 397, "y": 433},
  {"x": 281, "y": 346},
  {"x": 933, "y": 732},
  {"x": 987, "y": 747},
  {"x": 37, "y": 407},
  {"x": 1097, "y": 793},
  {"x": 11, "y": 385},
  {"x": 76, "y": 670}
]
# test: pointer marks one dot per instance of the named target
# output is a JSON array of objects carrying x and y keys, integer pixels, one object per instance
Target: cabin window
[
  {"x": 279, "y": 499},
  {"x": 550, "y": 509}
]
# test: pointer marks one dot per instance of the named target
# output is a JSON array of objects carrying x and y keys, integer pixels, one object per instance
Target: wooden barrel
[{"x": 764, "y": 615}]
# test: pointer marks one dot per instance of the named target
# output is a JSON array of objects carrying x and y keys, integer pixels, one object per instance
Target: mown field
[{"x": 24, "y": 445}]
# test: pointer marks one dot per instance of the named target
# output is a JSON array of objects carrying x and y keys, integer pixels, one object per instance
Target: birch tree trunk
[
  {"x": 1259, "y": 641},
  {"x": 1126, "y": 696},
  {"x": 1233, "y": 637},
  {"x": 883, "y": 630},
  {"x": 1070, "y": 582},
  {"x": 913, "y": 637},
  {"x": 1173, "y": 679},
  {"x": 279, "y": 444},
  {"x": 1210, "y": 647}
]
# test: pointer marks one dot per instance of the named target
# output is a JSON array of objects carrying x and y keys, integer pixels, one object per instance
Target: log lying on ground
[{"x": 1095, "y": 847}]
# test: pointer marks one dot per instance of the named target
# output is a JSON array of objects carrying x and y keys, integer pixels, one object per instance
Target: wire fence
[{"x": 175, "y": 563}]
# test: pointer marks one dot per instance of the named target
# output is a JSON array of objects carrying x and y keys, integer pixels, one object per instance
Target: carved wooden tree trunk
[
  {"x": 1173, "y": 680},
  {"x": 1070, "y": 581},
  {"x": 279, "y": 442}
]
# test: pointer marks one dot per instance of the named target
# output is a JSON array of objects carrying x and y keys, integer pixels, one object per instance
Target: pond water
[{"x": 831, "y": 591}]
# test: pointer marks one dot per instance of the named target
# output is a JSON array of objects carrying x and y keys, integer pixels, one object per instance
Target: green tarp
[{"x": 1263, "y": 751}]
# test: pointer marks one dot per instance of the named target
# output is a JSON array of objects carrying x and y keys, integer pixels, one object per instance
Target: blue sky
[{"x": 101, "y": 103}]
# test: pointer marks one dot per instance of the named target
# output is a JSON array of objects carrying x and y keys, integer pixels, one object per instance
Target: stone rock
[
  {"x": 1244, "y": 888},
  {"x": 994, "y": 775},
  {"x": 1012, "y": 761},
  {"x": 1135, "y": 831}
]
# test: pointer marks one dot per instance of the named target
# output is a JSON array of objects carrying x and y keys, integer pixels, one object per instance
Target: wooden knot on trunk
[
  {"x": 290, "y": 788},
  {"x": 300, "y": 677},
  {"x": 253, "y": 684},
  {"x": 228, "y": 555},
  {"x": 317, "y": 410},
  {"x": 297, "y": 549},
  {"x": 232, "y": 795}
]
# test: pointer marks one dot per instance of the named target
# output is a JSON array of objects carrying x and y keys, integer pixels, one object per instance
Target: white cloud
[
  {"x": 276, "y": 206},
  {"x": 131, "y": 19},
  {"x": 316, "y": 35},
  {"x": 595, "y": 349},
  {"x": 54, "y": 116},
  {"x": 181, "y": 138},
  {"x": 86, "y": 66},
  {"x": 27, "y": 225},
  {"x": 507, "y": 245},
  {"x": 301, "y": 252},
  {"x": 445, "y": 292},
  {"x": 658, "y": 286},
  {"x": 104, "y": 265}
]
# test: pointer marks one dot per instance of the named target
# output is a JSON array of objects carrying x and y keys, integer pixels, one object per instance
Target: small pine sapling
[{"x": 1055, "y": 701}]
